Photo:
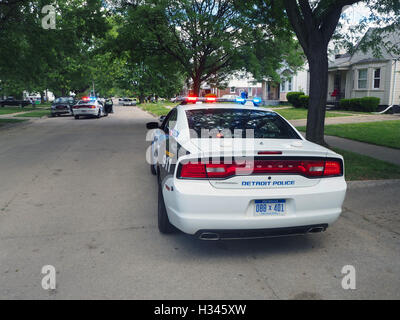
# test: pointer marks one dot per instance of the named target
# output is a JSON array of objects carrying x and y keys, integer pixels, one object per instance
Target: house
[
  {"x": 362, "y": 74},
  {"x": 270, "y": 91},
  {"x": 294, "y": 81},
  {"x": 239, "y": 84}
]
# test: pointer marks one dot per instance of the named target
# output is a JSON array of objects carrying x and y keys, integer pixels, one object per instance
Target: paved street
[{"x": 78, "y": 195}]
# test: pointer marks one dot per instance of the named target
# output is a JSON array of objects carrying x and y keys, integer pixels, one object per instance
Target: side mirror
[
  {"x": 152, "y": 125},
  {"x": 162, "y": 118}
]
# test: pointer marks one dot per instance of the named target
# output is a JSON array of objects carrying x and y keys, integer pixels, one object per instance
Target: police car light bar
[{"x": 192, "y": 99}]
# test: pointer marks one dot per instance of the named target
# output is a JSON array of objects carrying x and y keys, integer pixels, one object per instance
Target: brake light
[
  {"x": 84, "y": 107},
  {"x": 193, "y": 170},
  {"x": 307, "y": 168},
  {"x": 269, "y": 152},
  {"x": 211, "y": 99},
  {"x": 332, "y": 168}
]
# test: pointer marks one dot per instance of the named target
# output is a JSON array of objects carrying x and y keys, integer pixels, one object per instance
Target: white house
[
  {"x": 294, "y": 81},
  {"x": 362, "y": 74},
  {"x": 270, "y": 91}
]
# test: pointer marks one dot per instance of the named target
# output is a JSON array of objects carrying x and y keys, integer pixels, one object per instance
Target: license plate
[{"x": 269, "y": 207}]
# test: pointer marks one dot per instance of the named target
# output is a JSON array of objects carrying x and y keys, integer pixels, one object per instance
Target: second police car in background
[
  {"x": 283, "y": 185},
  {"x": 89, "y": 107}
]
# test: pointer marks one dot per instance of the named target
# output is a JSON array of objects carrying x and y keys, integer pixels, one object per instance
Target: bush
[
  {"x": 303, "y": 100},
  {"x": 293, "y": 98},
  {"x": 366, "y": 104},
  {"x": 345, "y": 104}
]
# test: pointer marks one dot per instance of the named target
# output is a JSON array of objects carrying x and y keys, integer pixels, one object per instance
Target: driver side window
[{"x": 169, "y": 121}]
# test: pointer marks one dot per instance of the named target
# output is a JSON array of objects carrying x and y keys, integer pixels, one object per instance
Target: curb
[{"x": 371, "y": 183}]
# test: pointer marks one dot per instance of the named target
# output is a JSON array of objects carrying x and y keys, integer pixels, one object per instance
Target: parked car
[
  {"x": 62, "y": 106},
  {"x": 128, "y": 102},
  {"x": 10, "y": 101},
  {"x": 281, "y": 184},
  {"x": 89, "y": 107}
]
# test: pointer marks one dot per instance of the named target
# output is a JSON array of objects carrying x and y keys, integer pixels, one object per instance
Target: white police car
[
  {"x": 89, "y": 107},
  {"x": 228, "y": 171}
]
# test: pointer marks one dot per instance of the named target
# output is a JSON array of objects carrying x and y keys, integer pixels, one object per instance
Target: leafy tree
[
  {"x": 314, "y": 23},
  {"x": 208, "y": 39},
  {"x": 36, "y": 59}
]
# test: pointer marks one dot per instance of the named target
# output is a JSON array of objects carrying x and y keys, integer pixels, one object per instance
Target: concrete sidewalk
[
  {"x": 378, "y": 152},
  {"x": 351, "y": 119}
]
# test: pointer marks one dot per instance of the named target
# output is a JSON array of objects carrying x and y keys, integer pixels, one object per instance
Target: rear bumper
[
  {"x": 86, "y": 112},
  {"x": 258, "y": 233},
  {"x": 198, "y": 206}
]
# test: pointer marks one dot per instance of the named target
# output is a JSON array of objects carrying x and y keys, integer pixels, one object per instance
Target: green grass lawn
[
  {"x": 360, "y": 167},
  {"x": 9, "y": 110},
  {"x": 35, "y": 114},
  {"x": 6, "y": 121},
  {"x": 299, "y": 113},
  {"x": 158, "y": 109},
  {"x": 383, "y": 133}
]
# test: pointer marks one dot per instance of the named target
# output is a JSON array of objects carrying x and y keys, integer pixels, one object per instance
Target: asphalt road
[{"x": 79, "y": 195}]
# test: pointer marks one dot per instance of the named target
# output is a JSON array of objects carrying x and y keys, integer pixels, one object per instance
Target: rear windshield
[
  {"x": 235, "y": 122},
  {"x": 63, "y": 100},
  {"x": 86, "y": 102}
]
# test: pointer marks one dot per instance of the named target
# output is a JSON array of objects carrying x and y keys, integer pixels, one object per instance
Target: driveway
[{"x": 78, "y": 195}]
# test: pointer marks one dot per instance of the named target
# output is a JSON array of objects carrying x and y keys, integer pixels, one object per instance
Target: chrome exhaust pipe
[
  {"x": 316, "y": 229},
  {"x": 209, "y": 236}
]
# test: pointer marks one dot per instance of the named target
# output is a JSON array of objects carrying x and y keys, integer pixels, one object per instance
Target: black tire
[
  {"x": 76, "y": 117},
  {"x": 99, "y": 114},
  {"x": 164, "y": 226},
  {"x": 153, "y": 169}
]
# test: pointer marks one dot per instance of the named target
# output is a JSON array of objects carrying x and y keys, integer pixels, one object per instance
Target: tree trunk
[
  {"x": 196, "y": 85},
  {"x": 318, "y": 64}
]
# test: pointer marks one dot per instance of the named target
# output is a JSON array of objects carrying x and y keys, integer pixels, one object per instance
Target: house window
[
  {"x": 233, "y": 89},
  {"x": 377, "y": 78},
  {"x": 290, "y": 84},
  {"x": 362, "y": 78},
  {"x": 283, "y": 88}
]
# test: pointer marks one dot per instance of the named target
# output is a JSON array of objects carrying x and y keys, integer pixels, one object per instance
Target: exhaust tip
[
  {"x": 209, "y": 236},
  {"x": 316, "y": 229}
]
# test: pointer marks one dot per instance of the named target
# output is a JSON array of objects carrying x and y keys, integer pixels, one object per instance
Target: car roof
[{"x": 199, "y": 106}]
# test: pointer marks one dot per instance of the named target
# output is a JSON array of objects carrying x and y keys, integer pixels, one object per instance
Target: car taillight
[
  {"x": 332, "y": 168},
  {"x": 307, "y": 168},
  {"x": 193, "y": 170}
]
